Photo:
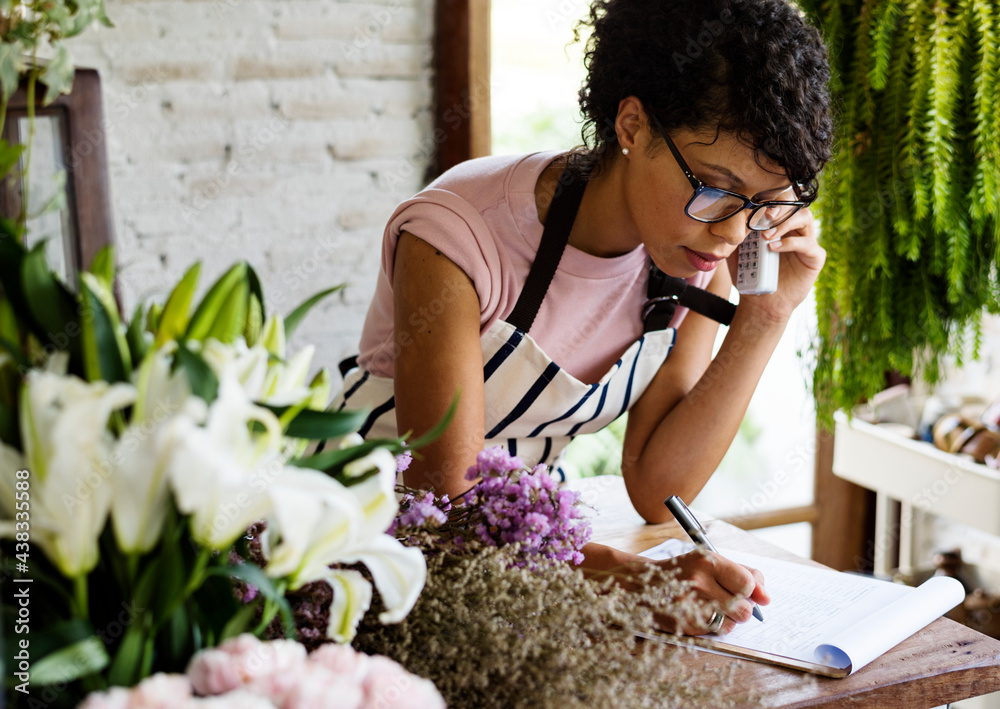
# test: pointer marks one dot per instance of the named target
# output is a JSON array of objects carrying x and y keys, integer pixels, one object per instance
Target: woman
[{"x": 695, "y": 112}]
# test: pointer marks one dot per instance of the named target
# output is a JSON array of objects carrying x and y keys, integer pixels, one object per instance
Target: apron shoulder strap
[
  {"x": 665, "y": 293},
  {"x": 555, "y": 236}
]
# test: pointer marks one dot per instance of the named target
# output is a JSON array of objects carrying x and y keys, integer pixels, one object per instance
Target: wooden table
[{"x": 945, "y": 662}]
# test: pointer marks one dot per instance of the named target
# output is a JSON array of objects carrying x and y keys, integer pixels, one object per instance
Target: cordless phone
[{"x": 757, "y": 266}]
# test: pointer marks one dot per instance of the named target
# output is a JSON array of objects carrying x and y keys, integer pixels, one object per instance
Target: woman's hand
[
  {"x": 715, "y": 584},
  {"x": 802, "y": 259}
]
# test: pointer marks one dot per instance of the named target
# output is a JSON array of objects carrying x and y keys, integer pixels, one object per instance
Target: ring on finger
[{"x": 715, "y": 624}]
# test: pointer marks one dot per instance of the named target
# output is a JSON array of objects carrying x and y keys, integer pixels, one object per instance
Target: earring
[{"x": 624, "y": 151}]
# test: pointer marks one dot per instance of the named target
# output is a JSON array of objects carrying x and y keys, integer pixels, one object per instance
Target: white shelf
[{"x": 918, "y": 474}]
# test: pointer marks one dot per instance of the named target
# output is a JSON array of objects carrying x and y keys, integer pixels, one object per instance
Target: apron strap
[
  {"x": 555, "y": 236},
  {"x": 665, "y": 293}
]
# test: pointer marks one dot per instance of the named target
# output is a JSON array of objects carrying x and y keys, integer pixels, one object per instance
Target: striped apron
[{"x": 534, "y": 408}]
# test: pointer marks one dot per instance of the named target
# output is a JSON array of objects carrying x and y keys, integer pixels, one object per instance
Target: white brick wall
[{"x": 282, "y": 132}]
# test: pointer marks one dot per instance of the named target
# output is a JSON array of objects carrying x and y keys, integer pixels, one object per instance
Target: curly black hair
[{"x": 751, "y": 67}]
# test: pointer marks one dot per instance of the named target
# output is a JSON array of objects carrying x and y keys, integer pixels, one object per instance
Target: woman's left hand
[{"x": 802, "y": 259}]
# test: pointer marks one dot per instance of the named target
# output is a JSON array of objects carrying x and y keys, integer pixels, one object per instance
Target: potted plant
[{"x": 910, "y": 204}]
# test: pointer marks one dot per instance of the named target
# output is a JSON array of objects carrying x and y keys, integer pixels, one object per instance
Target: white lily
[
  {"x": 64, "y": 431},
  {"x": 140, "y": 456},
  {"x": 248, "y": 364},
  {"x": 219, "y": 471},
  {"x": 314, "y": 520},
  {"x": 317, "y": 522},
  {"x": 377, "y": 494},
  {"x": 399, "y": 573},
  {"x": 352, "y": 597},
  {"x": 265, "y": 377}
]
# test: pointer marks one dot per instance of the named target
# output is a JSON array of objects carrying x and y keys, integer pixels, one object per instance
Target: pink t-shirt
[{"x": 481, "y": 215}]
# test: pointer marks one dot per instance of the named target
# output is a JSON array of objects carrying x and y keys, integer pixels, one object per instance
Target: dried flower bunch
[
  {"x": 505, "y": 621},
  {"x": 490, "y": 633},
  {"x": 509, "y": 505}
]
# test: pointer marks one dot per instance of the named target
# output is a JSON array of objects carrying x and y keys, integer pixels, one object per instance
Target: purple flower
[
  {"x": 423, "y": 511},
  {"x": 403, "y": 461},
  {"x": 494, "y": 461},
  {"x": 526, "y": 509}
]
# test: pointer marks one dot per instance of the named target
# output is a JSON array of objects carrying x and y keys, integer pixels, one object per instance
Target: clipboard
[{"x": 821, "y": 621}]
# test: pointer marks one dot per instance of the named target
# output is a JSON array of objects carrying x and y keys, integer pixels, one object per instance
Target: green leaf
[
  {"x": 320, "y": 425},
  {"x": 257, "y": 290},
  {"x": 208, "y": 310},
  {"x": 58, "y": 201},
  {"x": 14, "y": 351},
  {"x": 103, "y": 267},
  {"x": 319, "y": 389},
  {"x": 125, "y": 669},
  {"x": 153, "y": 317},
  {"x": 296, "y": 316},
  {"x": 176, "y": 311},
  {"x": 8, "y": 321},
  {"x": 10, "y": 69},
  {"x": 80, "y": 659},
  {"x": 232, "y": 317},
  {"x": 331, "y": 461},
  {"x": 179, "y": 634},
  {"x": 254, "y": 321},
  {"x": 105, "y": 352},
  {"x": 135, "y": 336},
  {"x": 10, "y": 155},
  {"x": 203, "y": 381},
  {"x": 102, "y": 14},
  {"x": 58, "y": 74},
  {"x": 273, "y": 337},
  {"x": 255, "y": 576},
  {"x": 52, "y": 307},
  {"x": 240, "y": 622},
  {"x": 59, "y": 635}
]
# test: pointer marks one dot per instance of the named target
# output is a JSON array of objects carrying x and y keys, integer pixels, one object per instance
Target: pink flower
[
  {"x": 388, "y": 686},
  {"x": 245, "y": 673},
  {"x": 114, "y": 698},
  {"x": 316, "y": 687},
  {"x": 246, "y": 661},
  {"x": 385, "y": 683},
  {"x": 161, "y": 691},
  {"x": 341, "y": 660},
  {"x": 240, "y": 699}
]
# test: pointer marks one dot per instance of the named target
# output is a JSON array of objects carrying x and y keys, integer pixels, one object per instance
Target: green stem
[
  {"x": 194, "y": 582},
  {"x": 148, "y": 653},
  {"x": 267, "y": 615},
  {"x": 3, "y": 110},
  {"x": 32, "y": 82},
  {"x": 131, "y": 570},
  {"x": 198, "y": 573},
  {"x": 81, "y": 596}
]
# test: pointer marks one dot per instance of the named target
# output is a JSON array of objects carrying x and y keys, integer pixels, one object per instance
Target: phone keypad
[{"x": 749, "y": 261}]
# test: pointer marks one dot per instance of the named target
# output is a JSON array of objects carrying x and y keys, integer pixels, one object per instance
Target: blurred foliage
[{"x": 909, "y": 204}]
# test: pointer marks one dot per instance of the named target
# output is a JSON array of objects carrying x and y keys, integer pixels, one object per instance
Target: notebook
[{"x": 819, "y": 620}]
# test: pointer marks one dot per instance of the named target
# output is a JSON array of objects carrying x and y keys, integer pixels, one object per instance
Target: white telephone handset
[{"x": 757, "y": 266}]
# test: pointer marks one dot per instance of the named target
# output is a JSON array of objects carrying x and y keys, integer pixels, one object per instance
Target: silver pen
[{"x": 692, "y": 526}]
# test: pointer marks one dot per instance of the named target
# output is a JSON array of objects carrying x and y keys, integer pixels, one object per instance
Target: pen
[{"x": 693, "y": 527}]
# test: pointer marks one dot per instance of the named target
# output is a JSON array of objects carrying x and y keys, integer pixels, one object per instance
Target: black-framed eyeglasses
[{"x": 712, "y": 204}]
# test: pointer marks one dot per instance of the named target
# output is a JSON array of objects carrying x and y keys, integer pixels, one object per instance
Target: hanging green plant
[{"x": 909, "y": 203}]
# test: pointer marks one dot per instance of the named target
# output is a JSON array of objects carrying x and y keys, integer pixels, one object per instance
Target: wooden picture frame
[{"x": 73, "y": 131}]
